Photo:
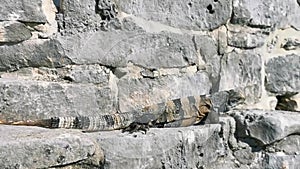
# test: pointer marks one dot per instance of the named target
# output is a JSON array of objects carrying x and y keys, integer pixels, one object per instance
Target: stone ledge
[
  {"x": 33, "y": 147},
  {"x": 266, "y": 127}
]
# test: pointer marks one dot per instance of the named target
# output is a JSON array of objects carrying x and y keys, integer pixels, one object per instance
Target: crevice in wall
[{"x": 285, "y": 102}]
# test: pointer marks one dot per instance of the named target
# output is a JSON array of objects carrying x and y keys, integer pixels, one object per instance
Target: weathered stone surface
[
  {"x": 191, "y": 15},
  {"x": 137, "y": 93},
  {"x": 32, "y": 53},
  {"x": 13, "y": 32},
  {"x": 245, "y": 37},
  {"x": 188, "y": 147},
  {"x": 244, "y": 156},
  {"x": 32, "y": 147},
  {"x": 242, "y": 69},
  {"x": 262, "y": 13},
  {"x": 117, "y": 48},
  {"x": 78, "y": 16},
  {"x": 228, "y": 131},
  {"x": 283, "y": 74},
  {"x": 279, "y": 160},
  {"x": 207, "y": 48},
  {"x": 289, "y": 145},
  {"x": 95, "y": 74},
  {"x": 266, "y": 127},
  {"x": 20, "y": 99},
  {"x": 23, "y": 10}
]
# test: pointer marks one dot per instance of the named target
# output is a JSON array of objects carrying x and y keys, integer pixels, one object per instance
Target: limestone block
[
  {"x": 25, "y": 99},
  {"x": 32, "y": 53},
  {"x": 289, "y": 145},
  {"x": 190, "y": 15},
  {"x": 262, "y": 13},
  {"x": 13, "y": 32},
  {"x": 138, "y": 93},
  {"x": 279, "y": 160},
  {"x": 77, "y": 17},
  {"x": 242, "y": 69},
  {"x": 266, "y": 126},
  {"x": 33, "y": 147},
  {"x": 22, "y": 10},
  {"x": 118, "y": 48},
  {"x": 187, "y": 147},
  {"x": 246, "y": 37},
  {"x": 207, "y": 49},
  {"x": 95, "y": 74},
  {"x": 283, "y": 74}
]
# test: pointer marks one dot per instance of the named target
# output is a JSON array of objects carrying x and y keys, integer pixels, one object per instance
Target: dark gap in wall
[
  {"x": 285, "y": 102},
  {"x": 58, "y": 5}
]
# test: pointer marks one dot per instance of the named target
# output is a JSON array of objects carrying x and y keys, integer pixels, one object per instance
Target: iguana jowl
[{"x": 174, "y": 113}]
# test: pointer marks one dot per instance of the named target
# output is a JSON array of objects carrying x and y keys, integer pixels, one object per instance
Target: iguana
[{"x": 174, "y": 113}]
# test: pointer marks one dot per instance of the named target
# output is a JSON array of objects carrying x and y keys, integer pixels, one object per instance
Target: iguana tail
[{"x": 91, "y": 123}]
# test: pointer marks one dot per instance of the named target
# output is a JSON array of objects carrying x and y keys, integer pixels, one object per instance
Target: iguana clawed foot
[{"x": 135, "y": 127}]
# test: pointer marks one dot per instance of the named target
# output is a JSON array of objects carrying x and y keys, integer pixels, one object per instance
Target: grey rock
[
  {"x": 207, "y": 47},
  {"x": 229, "y": 128},
  {"x": 24, "y": 99},
  {"x": 263, "y": 14},
  {"x": 265, "y": 127},
  {"x": 32, "y": 53},
  {"x": 245, "y": 37},
  {"x": 222, "y": 40},
  {"x": 118, "y": 48},
  {"x": 33, "y": 147},
  {"x": 289, "y": 145},
  {"x": 13, "y": 32},
  {"x": 283, "y": 74},
  {"x": 191, "y": 15},
  {"x": 275, "y": 161},
  {"x": 77, "y": 17},
  {"x": 23, "y": 10},
  {"x": 245, "y": 156},
  {"x": 95, "y": 74},
  {"x": 137, "y": 93},
  {"x": 242, "y": 69},
  {"x": 188, "y": 147},
  {"x": 228, "y": 164}
]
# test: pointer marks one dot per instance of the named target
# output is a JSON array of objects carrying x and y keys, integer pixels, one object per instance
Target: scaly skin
[{"x": 174, "y": 113}]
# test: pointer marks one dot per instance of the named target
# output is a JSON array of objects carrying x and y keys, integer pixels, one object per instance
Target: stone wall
[{"x": 71, "y": 57}]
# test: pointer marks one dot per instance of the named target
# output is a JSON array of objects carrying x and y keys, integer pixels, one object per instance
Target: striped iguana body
[{"x": 174, "y": 113}]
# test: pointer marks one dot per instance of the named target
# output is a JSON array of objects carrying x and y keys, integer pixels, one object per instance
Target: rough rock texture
[
  {"x": 25, "y": 99},
  {"x": 277, "y": 124},
  {"x": 71, "y": 57},
  {"x": 39, "y": 148},
  {"x": 32, "y": 53},
  {"x": 192, "y": 15},
  {"x": 270, "y": 13},
  {"x": 288, "y": 78},
  {"x": 32, "y": 147},
  {"x": 11, "y": 31},
  {"x": 23, "y": 10},
  {"x": 189, "y": 148},
  {"x": 242, "y": 69}
]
